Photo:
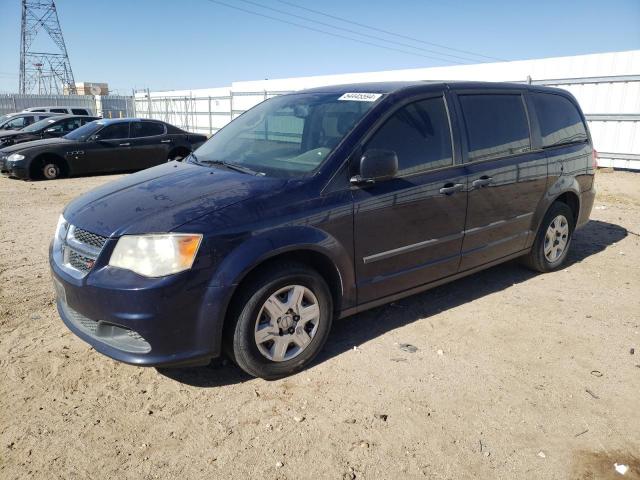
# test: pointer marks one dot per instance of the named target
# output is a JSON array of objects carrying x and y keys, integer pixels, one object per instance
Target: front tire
[
  {"x": 50, "y": 170},
  {"x": 553, "y": 240},
  {"x": 282, "y": 321}
]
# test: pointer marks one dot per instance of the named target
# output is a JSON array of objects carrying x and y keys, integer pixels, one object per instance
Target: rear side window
[
  {"x": 419, "y": 134},
  {"x": 114, "y": 132},
  {"x": 59, "y": 110},
  {"x": 560, "y": 121},
  {"x": 496, "y": 125},
  {"x": 146, "y": 129},
  {"x": 79, "y": 111}
]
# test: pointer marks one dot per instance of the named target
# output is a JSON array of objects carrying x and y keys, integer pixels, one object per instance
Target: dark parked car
[
  {"x": 17, "y": 121},
  {"x": 101, "y": 146},
  {"x": 51, "y": 127},
  {"x": 318, "y": 205}
]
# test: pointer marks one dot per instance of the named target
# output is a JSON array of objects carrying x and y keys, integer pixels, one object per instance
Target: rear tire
[
  {"x": 553, "y": 240},
  {"x": 280, "y": 322}
]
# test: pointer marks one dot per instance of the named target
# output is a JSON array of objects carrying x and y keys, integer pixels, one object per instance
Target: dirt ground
[{"x": 516, "y": 375}]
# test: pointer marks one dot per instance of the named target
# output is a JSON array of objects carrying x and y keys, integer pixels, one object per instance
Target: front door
[
  {"x": 409, "y": 230},
  {"x": 110, "y": 151},
  {"x": 506, "y": 179}
]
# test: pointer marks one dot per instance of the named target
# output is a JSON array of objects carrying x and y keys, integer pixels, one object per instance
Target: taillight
[{"x": 594, "y": 159}]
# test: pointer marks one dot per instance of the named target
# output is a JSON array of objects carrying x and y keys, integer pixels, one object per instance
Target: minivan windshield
[
  {"x": 84, "y": 132},
  {"x": 285, "y": 136}
]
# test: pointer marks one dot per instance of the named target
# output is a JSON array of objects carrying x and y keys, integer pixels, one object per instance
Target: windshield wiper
[{"x": 232, "y": 166}]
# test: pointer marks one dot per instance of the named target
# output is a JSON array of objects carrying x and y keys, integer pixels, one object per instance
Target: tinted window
[
  {"x": 79, "y": 111},
  {"x": 70, "y": 124},
  {"x": 146, "y": 129},
  {"x": 38, "y": 110},
  {"x": 419, "y": 134},
  {"x": 116, "y": 131},
  {"x": 560, "y": 121},
  {"x": 496, "y": 125},
  {"x": 58, "y": 110}
]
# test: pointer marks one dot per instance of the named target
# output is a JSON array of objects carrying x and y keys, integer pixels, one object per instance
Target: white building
[{"x": 607, "y": 85}]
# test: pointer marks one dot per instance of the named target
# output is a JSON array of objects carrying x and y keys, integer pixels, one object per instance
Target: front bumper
[
  {"x": 167, "y": 321},
  {"x": 12, "y": 169}
]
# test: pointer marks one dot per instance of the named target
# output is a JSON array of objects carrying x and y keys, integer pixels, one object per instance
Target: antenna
[{"x": 52, "y": 64}]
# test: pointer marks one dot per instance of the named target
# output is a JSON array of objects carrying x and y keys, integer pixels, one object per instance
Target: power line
[
  {"x": 330, "y": 33},
  {"x": 442, "y": 54},
  {"x": 335, "y": 17}
]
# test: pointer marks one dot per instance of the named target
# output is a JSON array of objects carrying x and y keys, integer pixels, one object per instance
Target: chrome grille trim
[{"x": 79, "y": 250}]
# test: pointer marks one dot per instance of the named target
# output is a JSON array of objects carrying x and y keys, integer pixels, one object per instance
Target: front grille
[
  {"x": 80, "y": 262},
  {"x": 80, "y": 250},
  {"x": 93, "y": 239}
]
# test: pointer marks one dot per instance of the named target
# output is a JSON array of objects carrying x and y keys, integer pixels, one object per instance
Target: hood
[
  {"x": 162, "y": 198},
  {"x": 9, "y": 133},
  {"x": 34, "y": 143}
]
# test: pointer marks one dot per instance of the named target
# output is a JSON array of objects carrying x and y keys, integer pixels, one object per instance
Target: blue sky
[{"x": 200, "y": 43}]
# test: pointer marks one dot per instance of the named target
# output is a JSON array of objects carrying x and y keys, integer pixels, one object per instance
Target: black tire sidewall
[
  {"x": 245, "y": 350},
  {"x": 556, "y": 209}
]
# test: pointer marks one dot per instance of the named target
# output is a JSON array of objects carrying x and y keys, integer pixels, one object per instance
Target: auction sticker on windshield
[{"x": 360, "y": 97}]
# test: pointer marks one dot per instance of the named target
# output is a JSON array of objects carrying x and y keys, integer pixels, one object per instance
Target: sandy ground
[{"x": 516, "y": 375}]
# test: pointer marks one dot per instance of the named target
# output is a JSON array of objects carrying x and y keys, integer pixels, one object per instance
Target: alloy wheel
[{"x": 286, "y": 323}]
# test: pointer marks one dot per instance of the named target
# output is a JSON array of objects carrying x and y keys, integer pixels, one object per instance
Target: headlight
[
  {"x": 15, "y": 157},
  {"x": 61, "y": 228},
  {"x": 156, "y": 255}
]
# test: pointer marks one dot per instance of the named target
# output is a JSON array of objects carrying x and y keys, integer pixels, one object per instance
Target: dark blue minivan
[{"x": 318, "y": 205}]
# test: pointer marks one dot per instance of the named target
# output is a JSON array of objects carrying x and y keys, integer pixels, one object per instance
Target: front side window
[
  {"x": 496, "y": 125},
  {"x": 17, "y": 123},
  {"x": 114, "y": 132},
  {"x": 146, "y": 129},
  {"x": 419, "y": 134},
  {"x": 560, "y": 121},
  {"x": 286, "y": 136},
  {"x": 70, "y": 124},
  {"x": 83, "y": 133}
]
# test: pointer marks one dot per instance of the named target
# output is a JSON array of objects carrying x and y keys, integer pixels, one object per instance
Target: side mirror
[{"x": 376, "y": 165}]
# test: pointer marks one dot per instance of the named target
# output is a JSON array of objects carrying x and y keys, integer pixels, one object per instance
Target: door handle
[
  {"x": 482, "y": 182},
  {"x": 450, "y": 188},
  {"x": 124, "y": 144},
  {"x": 165, "y": 141}
]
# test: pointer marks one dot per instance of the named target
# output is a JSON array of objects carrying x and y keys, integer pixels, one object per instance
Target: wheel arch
[
  {"x": 179, "y": 149},
  {"x": 568, "y": 194},
  {"x": 312, "y": 247},
  {"x": 38, "y": 162}
]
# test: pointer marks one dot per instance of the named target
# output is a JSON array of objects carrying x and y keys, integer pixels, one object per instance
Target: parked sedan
[
  {"x": 52, "y": 127},
  {"x": 101, "y": 146}
]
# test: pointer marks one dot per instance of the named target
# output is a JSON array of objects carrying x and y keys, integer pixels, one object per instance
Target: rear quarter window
[
  {"x": 560, "y": 120},
  {"x": 496, "y": 125}
]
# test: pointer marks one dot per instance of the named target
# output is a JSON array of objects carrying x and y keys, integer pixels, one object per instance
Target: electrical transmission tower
[{"x": 47, "y": 71}]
